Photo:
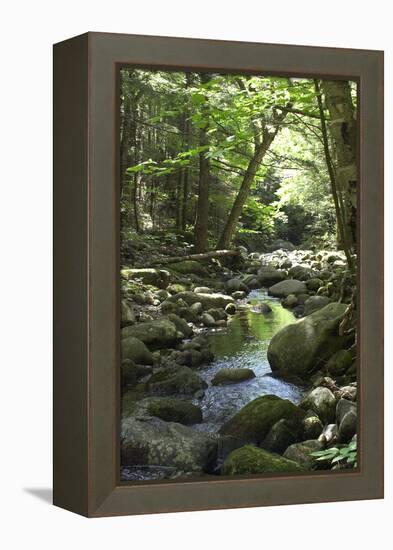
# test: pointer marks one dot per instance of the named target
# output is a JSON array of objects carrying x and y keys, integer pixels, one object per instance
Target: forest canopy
[{"x": 233, "y": 159}]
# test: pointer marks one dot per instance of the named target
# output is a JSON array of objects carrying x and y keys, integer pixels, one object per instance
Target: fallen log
[{"x": 196, "y": 257}]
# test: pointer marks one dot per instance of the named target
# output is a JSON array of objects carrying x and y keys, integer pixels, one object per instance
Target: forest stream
[{"x": 243, "y": 344}]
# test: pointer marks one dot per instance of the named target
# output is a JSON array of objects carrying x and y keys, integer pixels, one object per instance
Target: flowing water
[{"x": 243, "y": 344}]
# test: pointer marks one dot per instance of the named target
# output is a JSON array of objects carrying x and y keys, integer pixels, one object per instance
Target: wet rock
[
  {"x": 208, "y": 320},
  {"x": 290, "y": 286},
  {"x": 329, "y": 435},
  {"x": 234, "y": 285},
  {"x": 322, "y": 401},
  {"x": 175, "y": 380},
  {"x": 131, "y": 373},
  {"x": 148, "y": 276},
  {"x": 301, "y": 272},
  {"x": 218, "y": 314},
  {"x": 238, "y": 295},
  {"x": 156, "y": 442},
  {"x": 346, "y": 414},
  {"x": 203, "y": 290},
  {"x": 187, "y": 267},
  {"x": 301, "y": 347},
  {"x": 180, "y": 324},
  {"x": 196, "y": 308},
  {"x": 208, "y": 301},
  {"x": 261, "y": 308},
  {"x": 314, "y": 283},
  {"x": 134, "y": 349},
  {"x": 253, "y": 460},
  {"x": 232, "y": 376},
  {"x": 254, "y": 421},
  {"x": 313, "y": 303},
  {"x": 300, "y": 453},
  {"x": 176, "y": 288},
  {"x": 290, "y": 301}
]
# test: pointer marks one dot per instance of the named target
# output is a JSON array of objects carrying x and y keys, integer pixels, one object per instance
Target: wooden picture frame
[{"x": 86, "y": 265}]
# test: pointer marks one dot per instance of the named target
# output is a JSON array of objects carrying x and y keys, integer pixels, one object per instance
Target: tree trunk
[
  {"x": 252, "y": 168},
  {"x": 342, "y": 230},
  {"x": 202, "y": 215},
  {"x": 343, "y": 129}
]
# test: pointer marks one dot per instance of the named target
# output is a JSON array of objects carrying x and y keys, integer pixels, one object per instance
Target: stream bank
[{"x": 185, "y": 324}]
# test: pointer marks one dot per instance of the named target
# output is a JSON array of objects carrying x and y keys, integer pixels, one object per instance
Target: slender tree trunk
[
  {"x": 342, "y": 232},
  {"x": 344, "y": 133},
  {"x": 248, "y": 179},
  {"x": 134, "y": 181},
  {"x": 202, "y": 215},
  {"x": 125, "y": 141}
]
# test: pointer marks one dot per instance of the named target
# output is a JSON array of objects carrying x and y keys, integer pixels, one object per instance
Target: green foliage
[{"x": 338, "y": 457}]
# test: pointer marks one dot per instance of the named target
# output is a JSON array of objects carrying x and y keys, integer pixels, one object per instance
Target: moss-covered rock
[
  {"x": 301, "y": 453},
  {"x": 268, "y": 276},
  {"x": 131, "y": 373},
  {"x": 232, "y": 376},
  {"x": 253, "y": 422},
  {"x": 156, "y": 442},
  {"x": 155, "y": 334},
  {"x": 127, "y": 314},
  {"x": 313, "y": 303},
  {"x": 282, "y": 434},
  {"x": 176, "y": 288},
  {"x": 180, "y": 324},
  {"x": 322, "y": 401},
  {"x": 312, "y": 426},
  {"x": 302, "y": 347},
  {"x": 189, "y": 266},
  {"x": 170, "y": 410},
  {"x": 134, "y": 349},
  {"x": 339, "y": 362},
  {"x": 148, "y": 276},
  {"x": 284, "y": 288},
  {"x": 252, "y": 460},
  {"x": 175, "y": 380}
]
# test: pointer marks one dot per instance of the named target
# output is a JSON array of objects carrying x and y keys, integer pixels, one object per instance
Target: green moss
[
  {"x": 252, "y": 460},
  {"x": 232, "y": 376},
  {"x": 175, "y": 410}
]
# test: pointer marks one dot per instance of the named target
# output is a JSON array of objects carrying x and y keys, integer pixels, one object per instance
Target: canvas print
[{"x": 238, "y": 275}]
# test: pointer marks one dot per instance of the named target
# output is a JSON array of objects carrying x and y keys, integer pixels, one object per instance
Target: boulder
[
  {"x": 189, "y": 266},
  {"x": 252, "y": 460},
  {"x": 268, "y": 276},
  {"x": 131, "y": 373},
  {"x": 156, "y": 334},
  {"x": 282, "y": 244},
  {"x": 134, "y": 349},
  {"x": 300, "y": 453},
  {"x": 313, "y": 303},
  {"x": 346, "y": 415},
  {"x": 290, "y": 301},
  {"x": 339, "y": 362},
  {"x": 175, "y": 380},
  {"x": 254, "y": 421},
  {"x": 208, "y": 301},
  {"x": 208, "y": 320},
  {"x": 232, "y": 376},
  {"x": 301, "y": 272},
  {"x": 176, "y": 288},
  {"x": 127, "y": 314},
  {"x": 218, "y": 314},
  {"x": 314, "y": 283},
  {"x": 180, "y": 324},
  {"x": 196, "y": 308},
  {"x": 282, "y": 434},
  {"x": 156, "y": 442},
  {"x": 322, "y": 401},
  {"x": 238, "y": 295},
  {"x": 284, "y": 288},
  {"x": 234, "y": 285},
  {"x": 148, "y": 276},
  {"x": 312, "y": 426},
  {"x": 261, "y": 308},
  {"x": 170, "y": 410},
  {"x": 302, "y": 347},
  {"x": 230, "y": 309},
  {"x": 202, "y": 290}
]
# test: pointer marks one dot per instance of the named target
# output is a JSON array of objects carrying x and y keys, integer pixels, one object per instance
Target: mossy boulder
[
  {"x": 322, "y": 401},
  {"x": 252, "y": 460},
  {"x": 339, "y": 362},
  {"x": 312, "y": 426},
  {"x": 180, "y": 324},
  {"x": 170, "y": 410},
  {"x": 285, "y": 288},
  {"x": 156, "y": 442},
  {"x": 232, "y": 376},
  {"x": 313, "y": 303},
  {"x": 254, "y": 421},
  {"x": 155, "y": 334},
  {"x": 208, "y": 301},
  {"x": 301, "y": 453},
  {"x": 134, "y": 349},
  {"x": 234, "y": 285},
  {"x": 148, "y": 276},
  {"x": 268, "y": 276},
  {"x": 302, "y": 347},
  {"x": 127, "y": 314},
  {"x": 282, "y": 434},
  {"x": 175, "y": 380},
  {"x": 187, "y": 267},
  {"x": 131, "y": 373},
  {"x": 176, "y": 288}
]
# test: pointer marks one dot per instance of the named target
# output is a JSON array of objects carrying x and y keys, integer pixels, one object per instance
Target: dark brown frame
[{"x": 86, "y": 285}]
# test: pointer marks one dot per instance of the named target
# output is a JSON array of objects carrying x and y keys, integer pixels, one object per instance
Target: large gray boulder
[
  {"x": 175, "y": 380},
  {"x": 290, "y": 286},
  {"x": 301, "y": 453},
  {"x": 252, "y": 460},
  {"x": 156, "y": 442},
  {"x": 346, "y": 414},
  {"x": 268, "y": 276},
  {"x": 301, "y": 347},
  {"x": 169, "y": 409},
  {"x": 232, "y": 376},
  {"x": 314, "y": 303}
]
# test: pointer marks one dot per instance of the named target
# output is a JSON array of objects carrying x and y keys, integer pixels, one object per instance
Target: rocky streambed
[{"x": 244, "y": 367}]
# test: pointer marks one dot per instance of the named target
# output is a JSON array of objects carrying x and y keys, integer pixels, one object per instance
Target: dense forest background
[{"x": 229, "y": 159}]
